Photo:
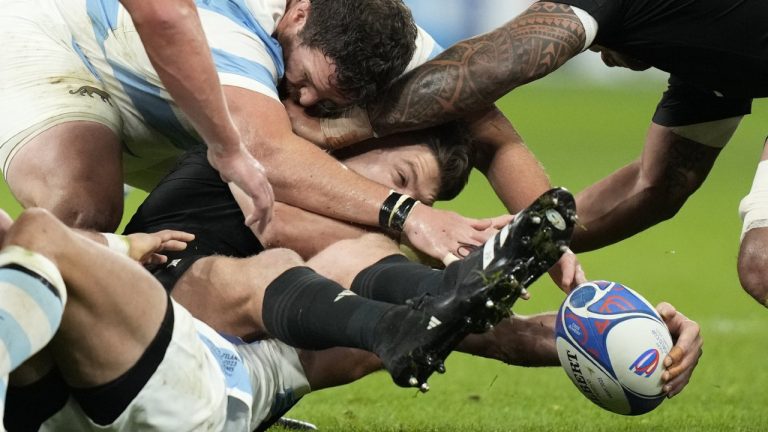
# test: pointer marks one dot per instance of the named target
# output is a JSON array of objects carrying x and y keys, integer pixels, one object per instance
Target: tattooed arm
[
  {"x": 647, "y": 191},
  {"x": 474, "y": 73}
]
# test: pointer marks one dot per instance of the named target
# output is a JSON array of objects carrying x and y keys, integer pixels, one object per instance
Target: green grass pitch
[{"x": 580, "y": 135}]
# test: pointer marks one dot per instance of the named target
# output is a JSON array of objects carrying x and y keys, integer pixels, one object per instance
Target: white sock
[{"x": 32, "y": 298}]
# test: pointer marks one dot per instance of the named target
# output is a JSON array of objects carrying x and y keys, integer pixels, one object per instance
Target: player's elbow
[
  {"x": 667, "y": 199},
  {"x": 753, "y": 268}
]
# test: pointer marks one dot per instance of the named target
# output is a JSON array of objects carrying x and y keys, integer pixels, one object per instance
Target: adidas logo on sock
[
  {"x": 345, "y": 293},
  {"x": 433, "y": 322}
]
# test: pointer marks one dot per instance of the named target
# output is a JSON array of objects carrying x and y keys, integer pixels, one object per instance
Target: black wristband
[
  {"x": 387, "y": 208},
  {"x": 401, "y": 212},
  {"x": 395, "y": 210}
]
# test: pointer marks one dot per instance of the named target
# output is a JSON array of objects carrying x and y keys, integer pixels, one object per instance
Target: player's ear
[{"x": 301, "y": 12}]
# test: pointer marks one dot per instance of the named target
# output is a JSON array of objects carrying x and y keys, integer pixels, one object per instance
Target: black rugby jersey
[
  {"x": 718, "y": 45},
  {"x": 193, "y": 198}
]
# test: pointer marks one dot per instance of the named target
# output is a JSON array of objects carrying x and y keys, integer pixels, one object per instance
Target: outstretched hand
[
  {"x": 685, "y": 354},
  {"x": 249, "y": 175},
  {"x": 567, "y": 272},
  {"x": 145, "y": 248},
  {"x": 445, "y": 235}
]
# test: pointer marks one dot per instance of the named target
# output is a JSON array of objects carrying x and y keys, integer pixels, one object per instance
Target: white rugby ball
[{"x": 612, "y": 344}]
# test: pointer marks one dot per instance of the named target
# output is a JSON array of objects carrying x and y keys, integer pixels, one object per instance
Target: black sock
[
  {"x": 306, "y": 310},
  {"x": 395, "y": 279}
]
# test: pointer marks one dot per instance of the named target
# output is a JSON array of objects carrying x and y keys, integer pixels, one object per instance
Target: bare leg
[
  {"x": 753, "y": 252},
  {"x": 227, "y": 293},
  {"x": 355, "y": 254},
  {"x": 647, "y": 191},
  {"x": 75, "y": 171},
  {"x": 114, "y": 307}
]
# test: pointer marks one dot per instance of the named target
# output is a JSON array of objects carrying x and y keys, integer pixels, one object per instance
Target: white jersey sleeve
[
  {"x": 426, "y": 49},
  {"x": 244, "y": 52}
]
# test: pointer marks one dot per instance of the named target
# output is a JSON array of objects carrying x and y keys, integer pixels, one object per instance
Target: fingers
[
  {"x": 684, "y": 355},
  {"x": 262, "y": 214},
  {"x": 155, "y": 259},
  {"x": 170, "y": 235},
  {"x": 567, "y": 272},
  {"x": 500, "y": 222},
  {"x": 173, "y": 245}
]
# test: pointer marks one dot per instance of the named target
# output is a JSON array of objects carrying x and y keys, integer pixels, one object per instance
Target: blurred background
[{"x": 583, "y": 122}]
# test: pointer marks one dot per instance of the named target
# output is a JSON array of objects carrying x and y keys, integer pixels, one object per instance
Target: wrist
[
  {"x": 395, "y": 210},
  {"x": 118, "y": 243}
]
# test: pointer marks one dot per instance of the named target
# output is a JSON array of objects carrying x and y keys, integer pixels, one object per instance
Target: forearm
[
  {"x": 289, "y": 226},
  {"x": 304, "y": 176},
  {"x": 513, "y": 171},
  {"x": 474, "y": 73},
  {"x": 176, "y": 45},
  {"x": 518, "y": 340}
]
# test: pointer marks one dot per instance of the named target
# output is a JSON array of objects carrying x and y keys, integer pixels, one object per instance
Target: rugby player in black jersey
[
  {"x": 219, "y": 289},
  {"x": 716, "y": 53}
]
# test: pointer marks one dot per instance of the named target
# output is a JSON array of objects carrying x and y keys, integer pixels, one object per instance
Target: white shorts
[
  {"x": 192, "y": 390},
  {"x": 43, "y": 81}
]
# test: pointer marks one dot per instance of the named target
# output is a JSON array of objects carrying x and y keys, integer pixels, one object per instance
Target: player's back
[{"x": 713, "y": 44}]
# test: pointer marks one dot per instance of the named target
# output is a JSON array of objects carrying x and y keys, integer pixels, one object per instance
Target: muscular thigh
[
  {"x": 45, "y": 88},
  {"x": 187, "y": 391},
  {"x": 226, "y": 293}
]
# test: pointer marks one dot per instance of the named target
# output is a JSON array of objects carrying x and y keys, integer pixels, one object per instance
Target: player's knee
[
  {"x": 368, "y": 247},
  {"x": 753, "y": 268},
  {"x": 666, "y": 203},
  {"x": 104, "y": 216},
  {"x": 668, "y": 195},
  {"x": 269, "y": 265},
  {"x": 281, "y": 259},
  {"x": 33, "y": 230}
]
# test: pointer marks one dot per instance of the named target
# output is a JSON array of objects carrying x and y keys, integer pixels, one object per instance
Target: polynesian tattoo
[{"x": 474, "y": 73}]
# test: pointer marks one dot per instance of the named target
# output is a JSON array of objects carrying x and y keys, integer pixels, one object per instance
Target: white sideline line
[{"x": 731, "y": 325}]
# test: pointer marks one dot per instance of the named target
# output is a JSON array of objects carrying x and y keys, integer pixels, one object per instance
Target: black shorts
[
  {"x": 684, "y": 104},
  {"x": 194, "y": 199},
  {"x": 170, "y": 272}
]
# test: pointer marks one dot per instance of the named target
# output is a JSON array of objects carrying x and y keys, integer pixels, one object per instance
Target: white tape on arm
[
  {"x": 118, "y": 243},
  {"x": 754, "y": 207},
  {"x": 589, "y": 24}
]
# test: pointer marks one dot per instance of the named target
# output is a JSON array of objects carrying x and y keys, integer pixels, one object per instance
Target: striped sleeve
[{"x": 241, "y": 56}]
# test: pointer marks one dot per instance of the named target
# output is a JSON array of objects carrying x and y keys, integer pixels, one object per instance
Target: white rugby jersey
[
  {"x": 244, "y": 51},
  {"x": 262, "y": 378}
]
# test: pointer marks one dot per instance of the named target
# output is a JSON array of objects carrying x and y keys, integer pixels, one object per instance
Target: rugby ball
[{"x": 612, "y": 344}]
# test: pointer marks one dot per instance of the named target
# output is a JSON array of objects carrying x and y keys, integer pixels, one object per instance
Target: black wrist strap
[{"x": 395, "y": 210}]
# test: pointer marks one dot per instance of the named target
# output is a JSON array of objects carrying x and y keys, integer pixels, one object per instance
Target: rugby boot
[
  {"x": 413, "y": 343},
  {"x": 516, "y": 256}
]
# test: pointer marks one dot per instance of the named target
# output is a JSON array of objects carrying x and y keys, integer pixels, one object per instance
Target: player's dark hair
[
  {"x": 451, "y": 144},
  {"x": 369, "y": 41}
]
